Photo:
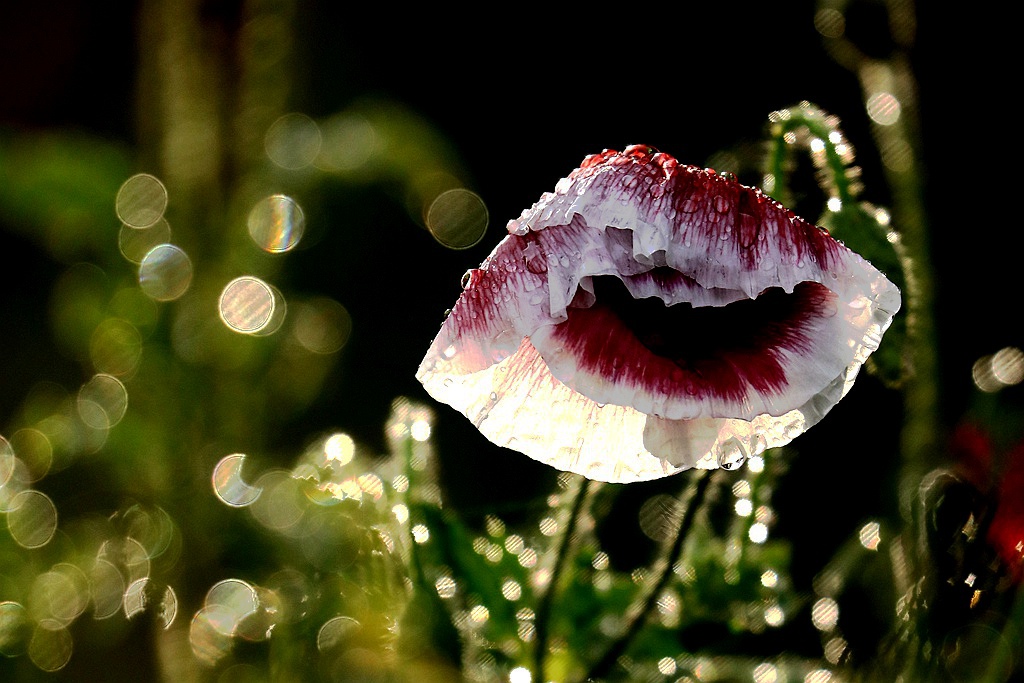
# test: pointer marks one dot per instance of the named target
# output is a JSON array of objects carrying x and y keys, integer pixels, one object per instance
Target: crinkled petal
[{"x": 647, "y": 310}]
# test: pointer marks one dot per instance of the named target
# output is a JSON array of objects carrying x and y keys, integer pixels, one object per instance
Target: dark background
[{"x": 524, "y": 96}]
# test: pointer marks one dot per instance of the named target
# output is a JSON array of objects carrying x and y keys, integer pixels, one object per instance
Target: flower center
[{"x": 702, "y": 352}]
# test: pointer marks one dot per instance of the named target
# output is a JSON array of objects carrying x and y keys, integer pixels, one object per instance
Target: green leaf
[
  {"x": 858, "y": 227},
  {"x": 60, "y": 188}
]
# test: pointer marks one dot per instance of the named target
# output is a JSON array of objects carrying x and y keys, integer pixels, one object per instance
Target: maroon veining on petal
[
  {"x": 697, "y": 353},
  {"x": 706, "y": 206},
  {"x": 660, "y": 311}
]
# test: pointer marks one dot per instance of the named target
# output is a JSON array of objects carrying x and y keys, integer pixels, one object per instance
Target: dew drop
[
  {"x": 731, "y": 454},
  {"x": 467, "y": 277}
]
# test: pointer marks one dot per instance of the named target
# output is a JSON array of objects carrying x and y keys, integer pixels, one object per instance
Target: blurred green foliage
[{"x": 159, "y": 529}]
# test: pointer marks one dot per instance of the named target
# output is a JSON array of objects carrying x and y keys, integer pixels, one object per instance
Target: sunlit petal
[{"x": 649, "y": 317}]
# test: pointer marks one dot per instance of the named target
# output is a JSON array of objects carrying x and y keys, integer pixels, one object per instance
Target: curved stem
[
  {"x": 547, "y": 600},
  {"x": 820, "y": 127},
  {"x": 620, "y": 645}
]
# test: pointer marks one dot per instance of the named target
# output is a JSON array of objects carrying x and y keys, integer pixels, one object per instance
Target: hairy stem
[
  {"x": 543, "y": 614},
  {"x": 619, "y": 646}
]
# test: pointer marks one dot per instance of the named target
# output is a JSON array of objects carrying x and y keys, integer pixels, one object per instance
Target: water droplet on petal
[{"x": 731, "y": 454}]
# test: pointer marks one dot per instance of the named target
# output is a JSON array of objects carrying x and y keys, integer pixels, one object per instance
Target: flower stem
[
  {"x": 620, "y": 645},
  {"x": 543, "y": 614}
]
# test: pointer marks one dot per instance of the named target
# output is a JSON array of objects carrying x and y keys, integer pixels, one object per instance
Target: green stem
[
  {"x": 818, "y": 125},
  {"x": 619, "y": 646},
  {"x": 543, "y": 615}
]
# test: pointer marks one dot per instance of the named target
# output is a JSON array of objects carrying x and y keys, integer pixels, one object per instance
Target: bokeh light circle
[
  {"x": 208, "y": 644},
  {"x": 251, "y": 306},
  {"x": 141, "y": 201},
  {"x": 276, "y": 223},
  {"x": 233, "y": 600},
  {"x": 135, "y": 599},
  {"x": 228, "y": 484},
  {"x": 322, "y": 325},
  {"x": 61, "y": 594},
  {"x": 115, "y": 347},
  {"x": 335, "y": 632},
  {"x": 293, "y": 141},
  {"x": 658, "y": 516},
  {"x": 102, "y": 401},
  {"x": 883, "y": 108},
  {"x": 348, "y": 142},
  {"x": 135, "y": 243},
  {"x": 14, "y": 629},
  {"x": 32, "y": 519},
  {"x": 458, "y": 218},
  {"x": 6, "y": 460},
  {"x": 165, "y": 272},
  {"x": 127, "y": 554},
  {"x": 51, "y": 645},
  {"x": 168, "y": 607},
  {"x": 280, "y": 506},
  {"x": 106, "y": 588},
  {"x": 35, "y": 452}
]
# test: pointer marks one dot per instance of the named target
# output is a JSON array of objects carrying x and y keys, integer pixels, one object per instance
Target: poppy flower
[
  {"x": 649, "y": 317},
  {"x": 1006, "y": 532}
]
